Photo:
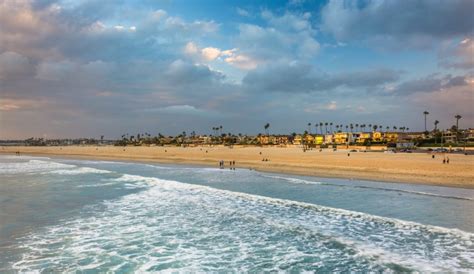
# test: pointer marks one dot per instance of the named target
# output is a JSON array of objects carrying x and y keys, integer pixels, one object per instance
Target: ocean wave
[
  {"x": 185, "y": 227},
  {"x": 78, "y": 171},
  {"x": 292, "y": 180},
  {"x": 303, "y": 181},
  {"x": 32, "y": 166}
]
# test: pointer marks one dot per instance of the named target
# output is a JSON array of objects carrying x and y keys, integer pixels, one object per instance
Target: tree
[
  {"x": 326, "y": 125},
  {"x": 426, "y": 114},
  {"x": 330, "y": 124},
  {"x": 457, "y": 126},
  {"x": 321, "y": 127},
  {"x": 266, "y": 127},
  {"x": 309, "y": 128},
  {"x": 458, "y": 117},
  {"x": 436, "y": 122}
]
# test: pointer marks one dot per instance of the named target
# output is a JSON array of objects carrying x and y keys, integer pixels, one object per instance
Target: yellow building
[
  {"x": 341, "y": 138},
  {"x": 377, "y": 136},
  {"x": 281, "y": 140},
  {"x": 328, "y": 139},
  {"x": 363, "y": 137},
  {"x": 297, "y": 140},
  {"x": 263, "y": 139},
  {"x": 391, "y": 137},
  {"x": 318, "y": 140}
]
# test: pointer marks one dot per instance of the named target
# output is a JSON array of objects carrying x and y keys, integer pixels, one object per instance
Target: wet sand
[{"x": 418, "y": 168}]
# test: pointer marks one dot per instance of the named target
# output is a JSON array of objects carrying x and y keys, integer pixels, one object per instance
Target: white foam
[
  {"x": 302, "y": 181},
  {"x": 186, "y": 227},
  {"x": 78, "y": 171},
  {"x": 292, "y": 180},
  {"x": 31, "y": 166}
]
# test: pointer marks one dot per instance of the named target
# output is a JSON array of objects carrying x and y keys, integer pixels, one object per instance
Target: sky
[{"x": 86, "y": 68}]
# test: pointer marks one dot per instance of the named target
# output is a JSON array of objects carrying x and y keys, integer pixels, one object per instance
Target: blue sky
[{"x": 71, "y": 68}]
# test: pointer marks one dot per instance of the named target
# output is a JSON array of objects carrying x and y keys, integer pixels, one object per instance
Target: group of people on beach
[
  {"x": 231, "y": 164},
  {"x": 445, "y": 159}
]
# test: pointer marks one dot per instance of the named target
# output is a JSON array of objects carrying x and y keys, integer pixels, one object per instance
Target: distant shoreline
[{"x": 412, "y": 168}]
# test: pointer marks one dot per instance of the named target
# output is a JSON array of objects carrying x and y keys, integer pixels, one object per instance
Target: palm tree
[
  {"x": 266, "y": 127},
  {"x": 326, "y": 125},
  {"x": 316, "y": 127},
  {"x": 457, "y": 126},
  {"x": 330, "y": 124},
  {"x": 321, "y": 127},
  {"x": 426, "y": 114},
  {"x": 337, "y": 128},
  {"x": 352, "y": 127},
  {"x": 375, "y": 127},
  {"x": 309, "y": 128},
  {"x": 457, "y": 120},
  {"x": 436, "y": 122},
  {"x": 220, "y": 127}
]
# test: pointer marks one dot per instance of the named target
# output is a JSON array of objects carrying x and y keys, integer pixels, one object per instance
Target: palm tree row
[{"x": 323, "y": 127}]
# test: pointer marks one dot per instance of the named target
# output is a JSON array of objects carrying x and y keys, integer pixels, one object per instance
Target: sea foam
[{"x": 172, "y": 225}]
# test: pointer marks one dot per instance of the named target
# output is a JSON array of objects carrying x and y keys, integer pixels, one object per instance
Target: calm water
[{"x": 69, "y": 215}]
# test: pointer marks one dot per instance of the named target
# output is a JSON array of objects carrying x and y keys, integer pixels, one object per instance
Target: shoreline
[{"x": 416, "y": 168}]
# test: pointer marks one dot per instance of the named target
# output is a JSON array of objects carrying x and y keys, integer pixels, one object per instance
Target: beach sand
[{"x": 418, "y": 168}]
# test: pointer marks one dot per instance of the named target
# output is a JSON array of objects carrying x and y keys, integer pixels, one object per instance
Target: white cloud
[
  {"x": 190, "y": 48},
  {"x": 229, "y": 56},
  {"x": 459, "y": 55},
  {"x": 210, "y": 53},
  {"x": 242, "y": 62},
  {"x": 243, "y": 12},
  {"x": 332, "y": 105}
]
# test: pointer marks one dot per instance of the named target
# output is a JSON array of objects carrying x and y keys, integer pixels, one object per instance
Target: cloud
[
  {"x": 242, "y": 12},
  {"x": 14, "y": 66},
  {"x": 210, "y": 53},
  {"x": 289, "y": 36},
  {"x": 191, "y": 48},
  {"x": 242, "y": 61},
  {"x": 186, "y": 110},
  {"x": 181, "y": 72},
  {"x": 430, "y": 83},
  {"x": 303, "y": 78},
  {"x": 398, "y": 23},
  {"x": 458, "y": 55},
  {"x": 232, "y": 57}
]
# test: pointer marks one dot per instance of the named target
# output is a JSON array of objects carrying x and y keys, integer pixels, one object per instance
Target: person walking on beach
[{"x": 447, "y": 160}]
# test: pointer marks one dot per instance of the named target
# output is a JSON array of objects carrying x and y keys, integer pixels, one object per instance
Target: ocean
[{"x": 84, "y": 215}]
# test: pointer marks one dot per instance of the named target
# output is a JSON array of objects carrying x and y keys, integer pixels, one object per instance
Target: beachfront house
[
  {"x": 263, "y": 139},
  {"x": 309, "y": 139},
  {"x": 298, "y": 140},
  {"x": 281, "y": 140},
  {"x": 342, "y": 138},
  {"x": 391, "y": 137},
  {"x": 377, "y": 137},
  {"x": 328, "y": 139},
  {"x": 363, "y": 138}
]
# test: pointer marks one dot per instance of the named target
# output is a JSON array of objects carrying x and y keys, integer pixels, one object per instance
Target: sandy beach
[{"x": 418, "y": 168}]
